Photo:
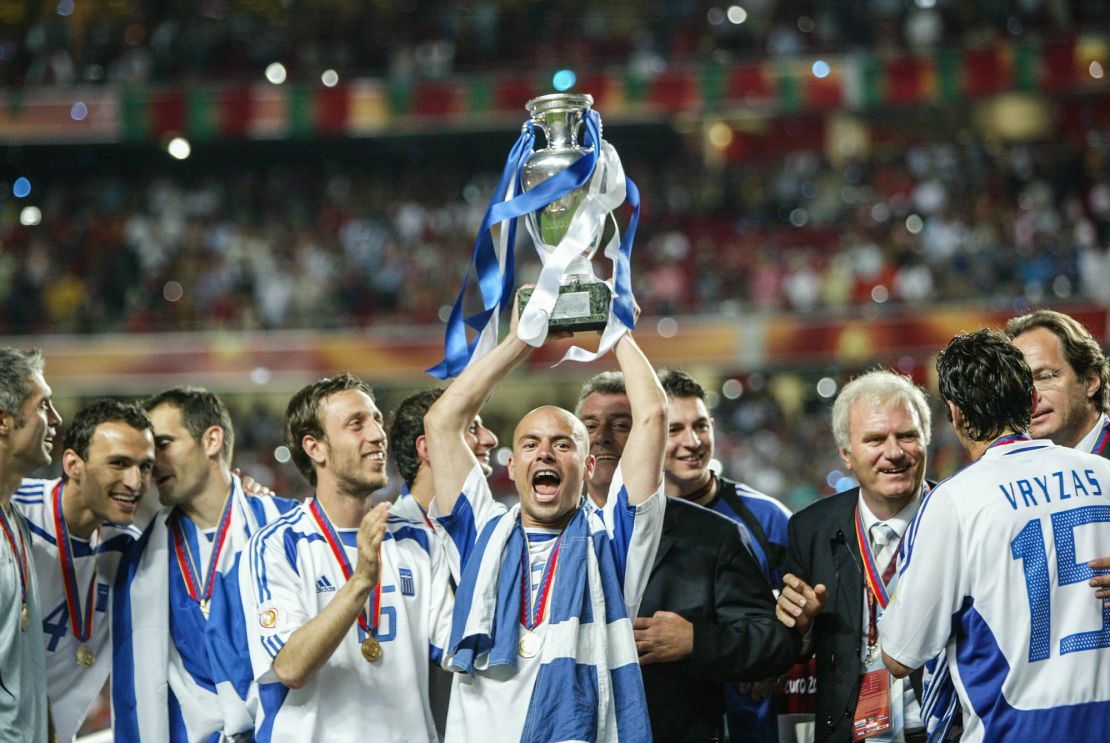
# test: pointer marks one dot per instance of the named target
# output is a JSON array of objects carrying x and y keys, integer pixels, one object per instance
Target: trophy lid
[{"x": 559, "y": 103}]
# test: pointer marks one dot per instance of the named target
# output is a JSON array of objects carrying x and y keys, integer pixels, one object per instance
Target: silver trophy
[{"x": 583, "y": 300}]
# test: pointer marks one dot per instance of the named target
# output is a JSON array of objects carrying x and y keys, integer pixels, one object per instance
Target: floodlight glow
[
  {"x": 179, "y": 148},
  {"x": 30, "y": 216},
  {"x": 275, "y": 73},
  {"x": 564, "y": 80},
  {"x": 737, "y": 15}
]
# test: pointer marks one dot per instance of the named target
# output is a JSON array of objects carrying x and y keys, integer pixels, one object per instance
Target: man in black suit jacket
[
  {"x": 707, "y": 615},
  {"x": 881, "y": 422}
]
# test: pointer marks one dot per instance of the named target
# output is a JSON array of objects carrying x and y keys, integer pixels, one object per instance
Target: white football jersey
[
  {"x": 995, "y": 574},
  {"x": 23, "y": 711},
  {"x": 71, "y": 688},
  {"x": 288, "y": 574},
  {"x": 492, "y": 704}
]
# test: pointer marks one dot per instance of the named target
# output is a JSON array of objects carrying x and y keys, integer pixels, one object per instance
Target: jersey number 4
[{"x": 1028, "y": 546}]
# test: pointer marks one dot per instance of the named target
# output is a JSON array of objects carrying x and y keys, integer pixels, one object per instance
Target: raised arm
[
  {"x": 642, "y": 460},
  {"x": 446, "y": 422}
]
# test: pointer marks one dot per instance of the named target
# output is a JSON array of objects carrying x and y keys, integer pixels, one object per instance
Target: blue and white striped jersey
[
  {"x": 71, "y": 688},
  {"x": 492, "y": 704},
  {"x": 288, "y": 574},
  {"x": 994, "y": 573}
]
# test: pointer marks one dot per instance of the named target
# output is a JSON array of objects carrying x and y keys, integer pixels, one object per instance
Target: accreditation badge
[{"x": 873, "y": 706}]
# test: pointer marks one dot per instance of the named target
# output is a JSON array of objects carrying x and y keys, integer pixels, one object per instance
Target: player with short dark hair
[
  {"x": 344, "y": 603},
  {"x": 707, "y": 615},
  {"x": 170, "y": 600},
  {"x": 81, "y": 524},
  {"x": 994, "y": 566}
]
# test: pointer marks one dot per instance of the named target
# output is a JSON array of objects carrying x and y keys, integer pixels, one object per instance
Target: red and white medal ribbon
[
  {"x": 876, "y": 581},
  {"x": 21, "y": 563},
  {"x": 199, "y": 592},
  {"x": 336, "y": 545},
  {"x": 532, "y": 611},
  {"x": 80, "y": 621}
]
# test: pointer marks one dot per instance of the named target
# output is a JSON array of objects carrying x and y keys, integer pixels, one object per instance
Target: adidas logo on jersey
[{"x": 323, "y": 585}]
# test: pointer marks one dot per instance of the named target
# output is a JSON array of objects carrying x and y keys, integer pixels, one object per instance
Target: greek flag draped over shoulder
[
  {"x": 148, "y": 663},
  {"x": 492, "y": 265},
  {"x": 589, "y": 686}
]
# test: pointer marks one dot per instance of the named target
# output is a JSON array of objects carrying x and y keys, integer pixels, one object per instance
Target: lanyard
[
  {"x": 1011, "y": 438},
  {"x": 876, "y": 582},
  {"x": 1103, "y": 438}
]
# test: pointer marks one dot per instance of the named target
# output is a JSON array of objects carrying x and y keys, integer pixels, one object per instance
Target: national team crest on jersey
[
  {"x": 102, "y": 596},
  {"x": 408, "y": 585}
]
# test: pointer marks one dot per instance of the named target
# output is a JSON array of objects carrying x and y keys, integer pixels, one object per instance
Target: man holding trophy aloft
[{"x": 542, "y": 635}]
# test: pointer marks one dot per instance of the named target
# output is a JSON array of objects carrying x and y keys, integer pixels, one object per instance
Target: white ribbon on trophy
[
  {"x": 606, "y": 193},
  {"x": 596, "y": 185}
]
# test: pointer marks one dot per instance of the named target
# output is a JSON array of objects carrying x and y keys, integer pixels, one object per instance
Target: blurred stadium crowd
[
  {"x": 67, "y": 42},
  {"x": 351, "y": 245},
  {"x": 913, "y": 221},
  {"x": 922, "y": 216}
]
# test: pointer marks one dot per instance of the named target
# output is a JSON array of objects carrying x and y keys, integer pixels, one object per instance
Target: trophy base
[{"x": 581, "y": 305}]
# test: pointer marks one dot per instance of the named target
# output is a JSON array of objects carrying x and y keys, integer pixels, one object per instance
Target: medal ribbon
[
  {"x": 21, "y": 556},
  {"x": 876, "y": 582},
  {"x": 1103, "y": 439},
  {"x": 1010, "y": 438},
  {"x": 424, "y": 514},
  {"x": 332, "y": 538},
  {"x": 197, "y": 592},
  {"x": 82, "y": 630},
  {"x": 531, "y": 614}
]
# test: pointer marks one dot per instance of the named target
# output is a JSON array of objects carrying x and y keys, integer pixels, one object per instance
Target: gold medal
[
  {"x": 204, "y": 609},
  {"x": 24, "y": 618},
  {"x": 371, "y": 650},
  {"x": 85, "y": 656},
  {"x": 528, "y": 646}
]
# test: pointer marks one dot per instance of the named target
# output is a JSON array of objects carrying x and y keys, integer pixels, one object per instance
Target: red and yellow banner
[{"x": 364, "y": 107}]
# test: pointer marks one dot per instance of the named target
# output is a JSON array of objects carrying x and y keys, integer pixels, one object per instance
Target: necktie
[{"x": 884, "y": 544}]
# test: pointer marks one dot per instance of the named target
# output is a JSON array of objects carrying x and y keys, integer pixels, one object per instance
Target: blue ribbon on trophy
[{"x": 568, "y": 194}]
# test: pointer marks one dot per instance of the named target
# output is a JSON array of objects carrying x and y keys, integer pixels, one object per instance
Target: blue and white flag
[
  {"x": 589, "y": 686},
  {"x": 162, "y": 679}
]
